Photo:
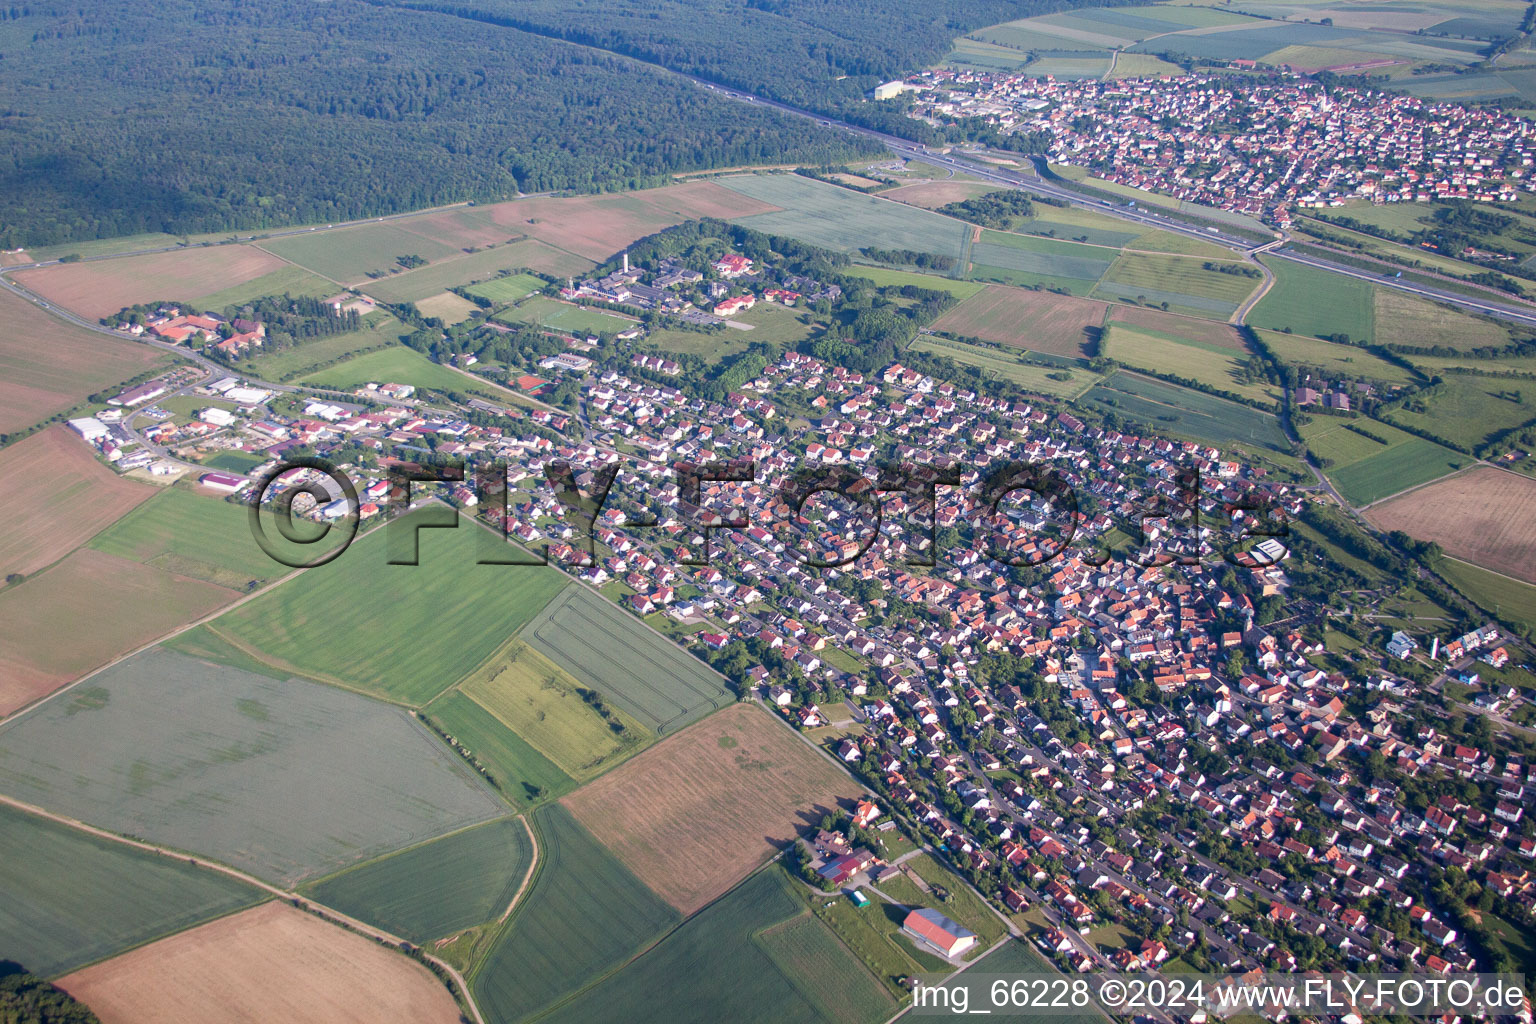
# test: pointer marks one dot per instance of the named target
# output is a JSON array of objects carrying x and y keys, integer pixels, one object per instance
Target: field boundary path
[
  {"x": 533, "y": 864},
  {"x": 320, "y": 910}
]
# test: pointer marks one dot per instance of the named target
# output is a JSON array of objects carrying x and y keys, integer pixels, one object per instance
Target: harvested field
[
  {"x": 72, "y": 897},
  {"x": 55, "y": 496},
  {"x": 721, "y": 796},
  {"x": 1482, "y": 516},
  {"x": 933, "y": 194},
  {"x": 1042, "y": 321},
  {"x": 48, "y": 366},
  {"x": 1407, "y": 320},
  {"x": 635, "y": 668},
  {"x": 97, "y": 288},
  {"x": 1173, "y": 354},
  {"x": 599, "y": 226},
  {"x": 270, "y": 963},
  {"x": 282, "y": 778},
  {"x": 125, "y": 605}
]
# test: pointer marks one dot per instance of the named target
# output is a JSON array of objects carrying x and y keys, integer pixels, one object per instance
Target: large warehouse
[{"x": 938, "y": 932}]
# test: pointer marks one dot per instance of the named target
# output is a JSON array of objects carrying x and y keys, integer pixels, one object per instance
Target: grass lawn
[
  {"x": 564, "y": 316},
  {"x": 396, "y": 365},
  {"x": 964, "y": 905},
  {"x": 1511, "y": 599},
  {"x": 348, "y": 254},
  {"x": 1403, "y": 319},
  {"x": 525, "y": 254},
  {"x": 1467, "y": 408},
  {"x": 1365, "y": 470},
  {"x": 289, "y": 280},
  {"x": 294, "y": 362},
  {"x": 234, "y": 462},
  {"x": 1315, "y": 302},
  {"x": 711, "y": 346},
  {"x": 509, "y": 289},
  {"x": 1334, "y": 360}
]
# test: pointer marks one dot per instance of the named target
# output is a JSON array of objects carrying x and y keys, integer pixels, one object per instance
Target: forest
[{"x": 221, "y": 115}]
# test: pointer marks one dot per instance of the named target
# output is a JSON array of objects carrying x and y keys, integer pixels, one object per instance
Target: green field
[
  {"x": 397, "y": 365},
  {"x": 290, "y": 280},
  {"x": 72, "y": 898},
  {"x": 1180, "y": 281},
  {"x": 1336, "y": 361},
  {"x": 837, "y": 218},
  {"x": 964, "y": 906},
  {"x": 1315, "y": 302},
  {"x": 1466, "y": 409},
  {"x": 436, "y": 889},
  {"x": 1169, "y": 409},
  {"x": 1009, "y": 365},
  {"x": 287, "y": 780},
  {"x": 873, "y": 934},
  {"x": 505, "y": 290},
  {"x": 1511, "y": 599},
  {"x": 192, "y": 535},
  {"x": 754, "y": 957},
  {"x": 585, "y": 915},
  {"x": 524, "y": 775},
  {"x": 1213, "y": 365},
  {"x": 1045, "y": 256},
  {"x": 1403, "y": 319},
  {"x": 564, "y": 316},
  {"x": 633, "y": 667},
  {"x": 1019, "y": 957},
  {"x": 536, "y": 699},
  {"x": 402, "y": 632},
  {"x": 1409, "y": 463},
  {"x": 347, "y": 255},
  {"x": 234, "y": 461},
  {"x": 524, "y": 254},
  {"x": 707, "y": 345},
  {"x": 380, "y": 329}
]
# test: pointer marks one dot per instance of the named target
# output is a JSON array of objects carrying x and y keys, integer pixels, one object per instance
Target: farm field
[
  {"x": 885, "y": 277},
  {"x": 1214, "y": 365},
  {"x": 447, "y": 307},
  {"x": 270, "y": 963},
  {"x": 192, "y": 535},
  {"x": 73, "y": 898},
  {"x": 54, "y": 496},
  {"x": 1334, "y": 360},
  {"x": 286, "y": 280},
  {"x": 1365, "y": 471},
  {"x": 126, "y": 604},
  {"x": 1180, "y": 281},
  {"x": 1510, "y": 598},
  {"x": 756, "y": 957},
  {"x": 518, "y": 770},
  {"x": 1045, "y": 257},
  {"x": 503, "y": 290},
  {"x": 436, "y": 889},
  {"x": 395, "y": 365},
  {"x": 1408, "y": 320},
  {"x": 598, "y": 226},
  {"x": 1166, "y": 408},
  {"x": 286, "y": 780},
  {"x": 564, "y": 316},
  {"x": 537, "y": 700},
  {"x": 347, "y": 255},
  {"x": 634, "y": 668},
  {"x": 48, "y": 366},
  {"x": 96, "y": 289},
  {"x": 932, "y": 194},
  {"x": 1044, "y": 322},
  {"x": 1481, "y": 516},
  {"x": 404, "y": 633},
  {"x": 844, "y": 221},
  {"x": 584, "y": 915},
  {"x": 1468, "y": 409},
  {"x": 1315, "y": 302},
  {"x": 1059, "y": 381},
  {"x": 525, "y": 254},
  {"x": 1019, "y": 957},
  {"x": 722, "y": 796},
  {"x": 379, "y": 330}
]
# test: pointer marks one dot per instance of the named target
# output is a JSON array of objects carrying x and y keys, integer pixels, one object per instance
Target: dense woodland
[
  {"x": 124, "y": 117},
  {"x": 26, "y": 999}
]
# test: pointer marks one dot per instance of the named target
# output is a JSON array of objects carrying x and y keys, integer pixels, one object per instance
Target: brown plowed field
[
  {"x": 96, "y": 288},
  {"x": 1487, "y": 516}
]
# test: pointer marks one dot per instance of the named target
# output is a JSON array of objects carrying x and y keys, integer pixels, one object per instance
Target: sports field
[
  {"x": 844, "y": 221},
  {"x": 1163, "y": 408},
  {"x": 756, "y": 957},
  {"x": 402, "y": 632},
  {"x": 539, "y": 701},
  {"x": 118, "y": 604},
  {"x": 54, "y": 496},
  {"x": 346, "y": 255},
  {"x": 1315, "y": 302},
  {"x": 1482, "y": 516},
  {"x": 192, "y": 535},
  {"x": 270, "y": 963},
  {"x": 1334, "y": 360},
  {"x": 48, "y": 366},
  {"x": 73, "y": 898},
  {"x": 1467, "y": 409},
  {"x": 635, "y": 668},
  {"x": 585, "y": 915},
  {"x": 721, "y": 796},
  {"x": 95, "y": 289},
  {"x": 436, "y": 889},
  {"x": 287, "y": 780},
  {"x": 395, "y": 365},
  {"x": 1214, "y": 365},
  {"x": 1059, "y": 381},
  {"x": 512, "y": 288},
  {"x": 425, "y": 282},
  {"x": 564, "y": 316},
  {"x": 1042, "y": 321}
]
